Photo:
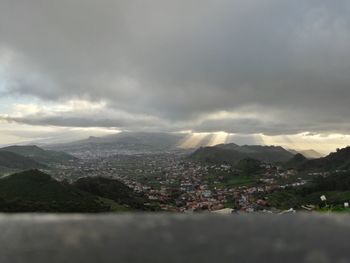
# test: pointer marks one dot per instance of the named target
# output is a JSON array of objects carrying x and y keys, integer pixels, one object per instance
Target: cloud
[
  {"x": 80, "y": 113},
  {"x": 170, "y": 65}
]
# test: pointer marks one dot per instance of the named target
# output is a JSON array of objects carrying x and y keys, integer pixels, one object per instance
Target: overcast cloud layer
[{"x": 240, "y": 66}]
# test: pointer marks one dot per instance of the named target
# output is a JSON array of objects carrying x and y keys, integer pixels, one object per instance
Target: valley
[{"x": 222, "y": 177}]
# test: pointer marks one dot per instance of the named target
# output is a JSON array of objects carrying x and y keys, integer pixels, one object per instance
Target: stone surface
[{"x": 174, "y": 238}]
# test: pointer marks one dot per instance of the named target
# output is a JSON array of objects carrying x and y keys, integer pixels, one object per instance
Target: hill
[
  {"x": 335, "y": 187},
  {"x": 232, "y": 154},
  {"x": 112, "y": 189},
  {"x": 124, "y": 141},
  {"x": 15, "y": 161},
  {"x": 339, "y": 160},
  {"x": 34, "y": 191},
  {"x": 296, "y": 162},
  {"x": 38, "y": 154},
  {"x": 309, "y": 154}
]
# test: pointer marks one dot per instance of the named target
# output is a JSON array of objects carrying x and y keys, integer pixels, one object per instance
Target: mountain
[
  {"x": 216, "y": 155},
  {"x": 339, "y": 160},
  {"x": 296, "y": 162},
  {"x": 113, "y": 190},
  {"x": 228, "y": 146},
  {"x": 15, "y": 161},
  {"x": 232, "y": 154},
  {"x": 124, "y": 141},
  {"x": 34, "y": 191},
  {"x": 309, "y": 154},
  {"x": 38, "y": 154}
]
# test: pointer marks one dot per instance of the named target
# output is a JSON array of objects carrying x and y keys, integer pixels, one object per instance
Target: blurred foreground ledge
[{"x": 174, "y": 238}]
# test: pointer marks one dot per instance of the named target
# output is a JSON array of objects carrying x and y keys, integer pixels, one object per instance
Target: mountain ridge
[
  {"x": 15, "y": 161},
  {"x": 310, "y": 153},
  {"x": 339, "y": 160},
  {"x": 36, "y": 191},
  {"x": 38, "y": 154},
  {"x": 128, "y": 141},
  {"x": 232, "y": 154}
]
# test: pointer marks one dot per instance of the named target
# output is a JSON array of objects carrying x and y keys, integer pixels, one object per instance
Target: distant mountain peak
[
  {"x": 339, "y": 160},
  {"x": 310, "y": 154},
  {"x": 299, "y": 157},
  {"x": 125, "y": 141}
]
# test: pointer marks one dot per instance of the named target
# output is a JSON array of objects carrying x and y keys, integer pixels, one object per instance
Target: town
[{"x": 178, "y": 184}]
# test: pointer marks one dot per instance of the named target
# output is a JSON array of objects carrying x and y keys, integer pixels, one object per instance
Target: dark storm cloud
[{"x": 181, "y": 60}]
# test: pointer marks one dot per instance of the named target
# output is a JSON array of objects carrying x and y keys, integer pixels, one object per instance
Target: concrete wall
[{"x": 174, "y": 238}]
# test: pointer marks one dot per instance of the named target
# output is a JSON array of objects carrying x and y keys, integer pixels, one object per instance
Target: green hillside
[
  {"x": 38, "y": 154},
  {"x": 15, "y": 161},
  {"x": 113, "y": 190},
  {"x": 232, "y": 154},
  {"x": 35, "y": 191},
  {"x": 339, "y": 160},
  {"x": 249, "y": 166},
  {"x": 296, "y": 162},
  {"x": 335, "y": 187},
  {"x": 215, "y": 155}
]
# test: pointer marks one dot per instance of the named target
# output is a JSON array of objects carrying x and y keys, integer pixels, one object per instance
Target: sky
[{"x": 276, "y": 70}]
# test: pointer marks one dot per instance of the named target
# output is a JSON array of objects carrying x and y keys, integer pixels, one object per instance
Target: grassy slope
[
  {"x": 38, "y": 154},
  {"x": 113, "y": 190},
  {"x": 335, "y": 187},
  {"x": 225, "y": 155},
  {"x": 35, "y": 191},
  {"x": 339, "y": 160},
  {"x": 15, "y": 161}
]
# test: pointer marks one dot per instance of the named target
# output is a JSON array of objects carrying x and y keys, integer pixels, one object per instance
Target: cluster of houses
[
  {"x": 181, "y": 185},
  {"x": 184, "y": 188}
]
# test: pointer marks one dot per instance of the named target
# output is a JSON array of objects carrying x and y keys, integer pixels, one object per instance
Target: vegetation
[
  {"x": 239, "y": 180},
  {"x": 113, "y": 190},
  {"x": 339, "y": 160},
  {"x": 35, "y": 191},
  {"x": 214, "y": 155},
  {"x": 4, "y": 171},
  {"x": 12, "y": 160},
  {"x": 232, "y": 154},
  {"x": 39, "y": 155},
  {"x": 335, "y": 187},
  {"x": 229, "y": 180},
  {"x": 249, "y": 166},
  {"x": 296, "y": 162}
]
